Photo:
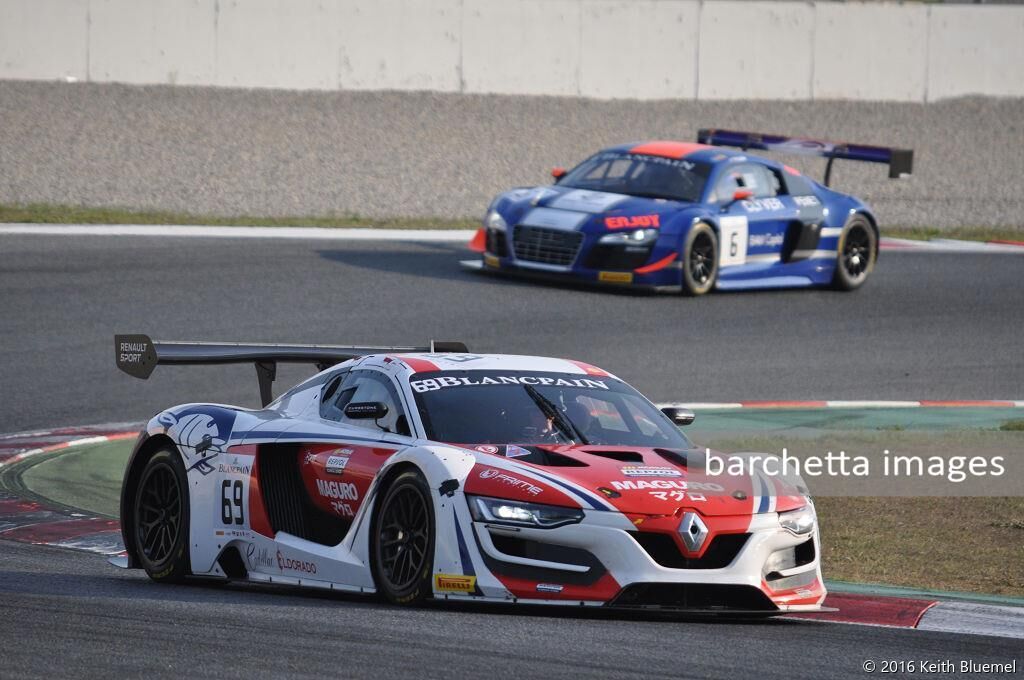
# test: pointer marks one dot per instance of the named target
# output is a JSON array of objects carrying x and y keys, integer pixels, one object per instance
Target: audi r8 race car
[
  {"x": 419, "y": 473},
  {"x": 691, "y": 217}
]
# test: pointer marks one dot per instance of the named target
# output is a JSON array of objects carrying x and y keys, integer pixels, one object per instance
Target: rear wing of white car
[
  {"x": 900, "y": 161},
  {"x": 138, "y": 355}
]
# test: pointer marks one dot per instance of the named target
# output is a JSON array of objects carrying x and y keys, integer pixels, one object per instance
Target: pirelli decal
[{"x": 449, "y": 583}]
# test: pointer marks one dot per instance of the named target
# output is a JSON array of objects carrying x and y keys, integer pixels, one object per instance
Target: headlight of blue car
[
  {"x": 494, "y": 220},
  {"x": 638, "y": 237}
]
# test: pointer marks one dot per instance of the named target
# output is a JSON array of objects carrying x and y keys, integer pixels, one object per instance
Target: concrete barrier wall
[
  {"x": 864, "y": 51},
  {"x": 975, "y": 50},
  {"x": 44, "y": 39},
  {"x": 755, "y": 50},
  {"x": 608, "y": 49}
]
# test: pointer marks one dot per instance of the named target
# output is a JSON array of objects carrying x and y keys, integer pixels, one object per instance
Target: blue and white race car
[{"x": 691, "y": 216}]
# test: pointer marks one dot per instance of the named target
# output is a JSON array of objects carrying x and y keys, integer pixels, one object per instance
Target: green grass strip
[{"x": 47, "y": 213}]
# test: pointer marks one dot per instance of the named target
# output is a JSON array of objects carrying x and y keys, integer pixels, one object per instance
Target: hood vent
[
  {"x": 675, "y": 457},
  {"x": 539, "y": 456},
  {"x": 621, "y": 456}
]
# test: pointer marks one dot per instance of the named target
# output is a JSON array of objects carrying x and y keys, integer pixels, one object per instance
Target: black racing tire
[
  {"x": 856, "y": 254},
  {"x": 700, "y": 260},
  {"x": 161, "y": 517},
  {"x": 402, "y": 541}
]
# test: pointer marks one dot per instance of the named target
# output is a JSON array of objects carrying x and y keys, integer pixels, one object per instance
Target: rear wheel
[
  {"x": 403, "y": 540},
  {"x": 700, "y": 260},
  {"x": 161, "y": 520},
  {"x": 856, "y": 254}
]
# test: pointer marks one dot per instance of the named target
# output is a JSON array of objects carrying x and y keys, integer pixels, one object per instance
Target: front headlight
[
  {"x": 518, "y": 513},
  {"x": 639, "y": 237},
  {"x": 494, "y": 220},
  {"x": 799, "y": 522}
]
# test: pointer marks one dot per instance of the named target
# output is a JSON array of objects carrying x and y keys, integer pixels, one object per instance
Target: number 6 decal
[{"x": 732, "y": 247}]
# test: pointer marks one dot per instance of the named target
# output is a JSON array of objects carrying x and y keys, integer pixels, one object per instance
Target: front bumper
[
  {"x": 555, "y": 255},
  {"x": 622, "y": 573},
  {"x": 578, "y": 276}
]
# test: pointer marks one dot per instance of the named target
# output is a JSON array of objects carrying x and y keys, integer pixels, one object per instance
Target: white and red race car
[{"x": 421, "y": 473}]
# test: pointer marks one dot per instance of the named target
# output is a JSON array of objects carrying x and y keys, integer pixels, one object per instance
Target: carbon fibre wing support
[
  {"x": 138, "y": 356},
  {"x": 900, "y": 161}
]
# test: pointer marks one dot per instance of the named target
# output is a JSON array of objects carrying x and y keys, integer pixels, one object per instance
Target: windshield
[
  {"x": 640, "y": 175},
  {"x": 523, "y": 407}
]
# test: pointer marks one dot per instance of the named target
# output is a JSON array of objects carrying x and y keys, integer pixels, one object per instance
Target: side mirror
[
  {"x": 738, "y": 195},
  {"x": 679, "y": 416},
  {"x": 558, "y": 173},
  {"x": 358, "y": 410}
]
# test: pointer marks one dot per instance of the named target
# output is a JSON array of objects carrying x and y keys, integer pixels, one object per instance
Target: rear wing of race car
[
  {"x": 900, "y": 161},
  {"x": 138, "y": 355}
]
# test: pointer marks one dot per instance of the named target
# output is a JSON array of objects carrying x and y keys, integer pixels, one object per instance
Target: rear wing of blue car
[
  {"x": 138, "y": 355},
  {"x": 900, "y": 161}
]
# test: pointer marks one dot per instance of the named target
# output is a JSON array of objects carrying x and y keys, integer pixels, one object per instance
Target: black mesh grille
[
  {"x": 288, "y": 506},
  {"x": 695, "y": 596},
  {"x": 623, "y": 258},
  {"x": 496, "y": 243},
  {"x": 665, "y": 551},
  {"x": 281, "y": 485},
  {"x": 546, "y": 246},
  {"x": 547, "y": 552}
]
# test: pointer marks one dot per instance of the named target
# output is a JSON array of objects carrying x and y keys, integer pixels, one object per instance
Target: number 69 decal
[{"x": 232, "y": 497}]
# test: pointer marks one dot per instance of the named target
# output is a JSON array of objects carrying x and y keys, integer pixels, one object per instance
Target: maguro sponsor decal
[
  {"x": 342, "y": 491},
  {"x": 285, "y": 563},
  {"x": 504, "y": 478},
  {"x": 665, "y": 484},
  {"x": 443, "y": 382}
]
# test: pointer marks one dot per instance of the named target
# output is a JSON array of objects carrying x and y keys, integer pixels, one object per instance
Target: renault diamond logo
[{"x": 693, "y": 531}]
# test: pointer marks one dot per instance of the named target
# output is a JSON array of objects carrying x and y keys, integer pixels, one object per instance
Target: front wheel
[
  {"x": 403, "y": 541},
  {"x": 162, "y": 517},
  {"x": 700, "y": 260},
  {"x": 856, "y": 254}
]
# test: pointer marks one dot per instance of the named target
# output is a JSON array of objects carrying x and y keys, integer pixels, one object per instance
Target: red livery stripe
[
  {"x": 668, "y": 149},
  {"x": 588, "y": 369},
  {"x": 419, "y": 365},
  {"x": 660, "y": 264}
]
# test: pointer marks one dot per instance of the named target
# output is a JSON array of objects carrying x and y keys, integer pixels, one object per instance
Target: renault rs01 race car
[
  {"x": 420, "y": 473},
  {"x": 691, "y": 217}
]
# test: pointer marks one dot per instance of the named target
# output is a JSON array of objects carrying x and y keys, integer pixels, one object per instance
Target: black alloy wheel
[
  {"x": 700, "y": 260},
  {"x": 161, "y": 519},
  {"x": 858, "y": 249},
  {"x": 403, "y": 540}
]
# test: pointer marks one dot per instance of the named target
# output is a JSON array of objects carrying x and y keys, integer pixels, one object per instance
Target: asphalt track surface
[
  {"x": 925, "y": 326},
  {"x": 71, "y": 613}
]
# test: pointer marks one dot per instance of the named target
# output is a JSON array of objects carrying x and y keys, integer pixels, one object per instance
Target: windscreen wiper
[{"x": 551, "y": 411}]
